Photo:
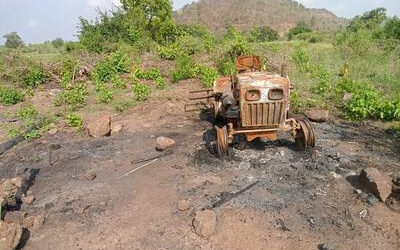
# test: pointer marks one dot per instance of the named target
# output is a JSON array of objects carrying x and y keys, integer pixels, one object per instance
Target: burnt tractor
[{"x": 254, "y": 103}]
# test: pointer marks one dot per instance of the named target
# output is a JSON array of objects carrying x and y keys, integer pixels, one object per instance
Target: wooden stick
[{"x": 136, "y": 169}]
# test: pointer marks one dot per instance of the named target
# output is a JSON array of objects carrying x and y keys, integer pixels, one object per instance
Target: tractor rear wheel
[{"x": 305, "y": 136}]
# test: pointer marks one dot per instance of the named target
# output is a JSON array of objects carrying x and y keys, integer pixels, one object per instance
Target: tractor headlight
[
  {"x": 253, "y": 95},
  {"x": 275, "y": 94}
]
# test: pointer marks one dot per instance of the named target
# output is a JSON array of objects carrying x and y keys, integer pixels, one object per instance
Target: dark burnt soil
[{"x": 266, "y": 194}]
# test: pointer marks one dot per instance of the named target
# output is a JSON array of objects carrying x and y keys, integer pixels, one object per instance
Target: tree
[
  {"x": 300, "y": 28},
  {"x": 57, "y": 43},
  {"x": 263, "y": 34},
  {"x": 13, "y": 40},
  {"x": 369, "y": 20},
  {"x": 154, "y": 15},
  {"x": 392, "y": 28}
]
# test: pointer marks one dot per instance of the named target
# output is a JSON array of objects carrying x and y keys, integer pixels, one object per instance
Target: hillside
[{"x": 279, "y": 14}]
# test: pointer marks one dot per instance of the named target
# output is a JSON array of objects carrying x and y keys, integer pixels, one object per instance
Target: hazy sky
[{"x": 41, "y": 20}]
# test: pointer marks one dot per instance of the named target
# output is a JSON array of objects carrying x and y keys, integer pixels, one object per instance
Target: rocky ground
[{"x": 119, "y": 192}]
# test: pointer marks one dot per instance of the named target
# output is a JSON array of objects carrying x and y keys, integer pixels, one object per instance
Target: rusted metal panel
[
  {"x": 222, "y": 83},
  {"x": 248, "y": 63}
]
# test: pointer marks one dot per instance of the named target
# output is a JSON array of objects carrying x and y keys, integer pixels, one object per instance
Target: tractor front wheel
[{"x": 222, "y": 141}]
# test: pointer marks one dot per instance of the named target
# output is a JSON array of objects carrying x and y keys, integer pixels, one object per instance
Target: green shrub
[
  {"x": 10, "y": 96},
  {"x": 28, "y": 113},
  {"x": 69, "y": 70},
  {"x": 75, "y": 97},
  {"x": 34, "y": 76},
  {"x": 263, "y": 34},
  {"x": 301, "y": 28},
  {"x": 207, "y": 75},
  {"x": 142, "y": 92},
  {"x": 185, "y": 69},
  {"x": 75, "y": 121},
  {"x": 73, "y": 46},
  {"x": 160, "y": 83},
  {"x": 364, "y": 104},
  {"x": 114, "y": 64},
  {"x": 169, "y": 51},
  {"x": 57, "y": 43},
  {"x": 150, "y": 74},
  {"x": 104, "y": 93},
  {"x": 118, "y": 82}
]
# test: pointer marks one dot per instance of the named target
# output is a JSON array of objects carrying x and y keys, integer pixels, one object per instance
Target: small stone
[
  {"x": 372, "y": 200},
  {"x": 38, "y": 223},
  {"x": 317, "y": 115},
  {"x": 15, "y": 217},
  {"x": 53, "y": 131},
  {"x": 28, "y": 199},
  {"x": 116, "y": 128},
  {"x": 214, "y": 180},
  {"x": 335, "y": 175},
  {"x": 183, "y": 205},
  {"x": 377, "y": 183},
  {"x": 91, "y": 176},
  {"x": 205, "y": 223},
  {"x": 99, "y": 126},
  {"x": 163, "y": 143},
  {"x": 18, "y": 182},
  {"x": 10, "y": 235},
  {"x": 245, "y": 165},
  {"x": 326, "y": 247},
  {"x": 28, "y": 222}
]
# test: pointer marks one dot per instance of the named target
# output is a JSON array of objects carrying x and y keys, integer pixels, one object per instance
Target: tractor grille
[{"x": 263, "y": 114}]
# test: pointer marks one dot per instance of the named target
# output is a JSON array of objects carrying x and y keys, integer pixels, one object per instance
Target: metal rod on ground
[
  {"x": 152, "y": 158},
  {"x": 231, "y": 196},
  {"x": 136, "y": 169}
]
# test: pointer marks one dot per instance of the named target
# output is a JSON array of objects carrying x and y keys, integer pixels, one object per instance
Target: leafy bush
[
  {"x": 13, "y": 41},
  {"x": 75, "y": 121},
  {"x": 207, "y": 75},
  {"x": 57, "y": 43},
  {"x": 185, "y": 69},
  {"x": 106, "y": 69},
  {"x": 34, "y": 76},
  {"x": 104, "y": 93},
  {"x": 75, "y": 97},
  {"x": 263, "y": 34},
  {"x": 169, "y": 51},
  {"x": 363, "y": 105},
  {"x": 118, "y": 82},
  {"x": 160, "y": 83},
  {"x": 150, "y": 74},
  {"x": 10, "y": 96},
  {"x": 70, "y": 67},
  {"x": 301, "y": 28},
  {"x": 142, "y": 92}
]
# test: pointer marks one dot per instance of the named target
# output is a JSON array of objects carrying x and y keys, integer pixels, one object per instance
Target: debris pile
[{"x": 13, "y": 192}]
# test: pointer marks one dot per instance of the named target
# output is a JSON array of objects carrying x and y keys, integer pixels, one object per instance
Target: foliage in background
[
  {"x": 13, "y": 41},
  {"x": 57, "y": 43},
  {"x": 263, "y": 34},
  {"x": 300, "y": 29},
  {"x": 75, "y": 96}
]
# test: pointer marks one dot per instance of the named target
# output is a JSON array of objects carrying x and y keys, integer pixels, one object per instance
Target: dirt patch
[{"x": 294, "y": 199}]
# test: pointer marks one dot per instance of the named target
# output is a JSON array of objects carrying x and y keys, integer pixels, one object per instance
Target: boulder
[
  {"x": 205, "y": 222},
  {"x": 183, "y": 205},
  {"x": 99, "y": 126},
  {"x": 10, "y": 235},
  {"x": 163, "y": 143},
  {"x": 318, "y": 115},
  {"x": 15, "y": 217},
  {"x": 377, "y": 183}
]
